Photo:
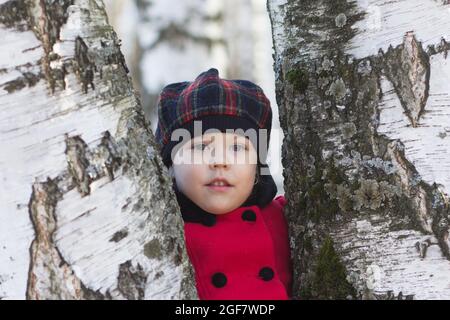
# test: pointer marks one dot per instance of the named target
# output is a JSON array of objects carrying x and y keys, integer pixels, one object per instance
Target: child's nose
[
  {"x": 219, "y": 165},
  {"x": 219, "y": 158}
]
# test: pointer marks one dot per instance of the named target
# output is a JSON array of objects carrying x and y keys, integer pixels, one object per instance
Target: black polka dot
[
  {"x": 266, "y": 273},
  {"x": 219, "y": 280},
  {"x": 248, "y": 215},
  {"x": 208, "y": 219}
]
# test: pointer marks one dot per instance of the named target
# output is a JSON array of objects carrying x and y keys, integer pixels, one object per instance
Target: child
[{"x": 235, "y": 231}]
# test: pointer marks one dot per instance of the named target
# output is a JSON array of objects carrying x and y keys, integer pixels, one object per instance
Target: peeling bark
[
  {"x": 50, "y": 277},
  {"x": 360, "y": 106},
  {"x": 408, "y": 68},
  {"x": 83, "y": 190}
]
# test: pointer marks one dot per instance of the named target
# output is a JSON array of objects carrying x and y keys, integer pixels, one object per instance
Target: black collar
[{"x": 262, "y": 194}]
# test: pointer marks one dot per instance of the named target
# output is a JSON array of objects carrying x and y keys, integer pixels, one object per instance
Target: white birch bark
[
  {"x": 86, "y": 208},
  {"x": 364, "y": 95}
]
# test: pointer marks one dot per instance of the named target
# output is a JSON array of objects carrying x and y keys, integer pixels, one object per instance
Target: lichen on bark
[
  {"x": 330, "y": 276},
  {"x": 338, "y": 169},
  {"x": 83, "y": 67}
]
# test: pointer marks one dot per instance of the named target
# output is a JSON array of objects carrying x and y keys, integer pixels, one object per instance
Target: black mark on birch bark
[
  {"x": 76, "y": 150},
  {"x": 86, "y": 165},
  {"x": 131, "y": 281},
  {"x": 119, "y": 235},
  {"x": 443, "y": 46},
  {"x": 14, "y": 14},
  {"x": 389, "y": 295},
  {"x": 28, "y": 79},
  {"x": 83, "y": 66},
  {"x": 53, "y": 14},
  {"x": 110, "y": 154}
]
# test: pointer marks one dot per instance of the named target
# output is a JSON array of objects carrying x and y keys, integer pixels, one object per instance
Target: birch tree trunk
[
  {"x": 86, "y": 209},
  {"x": 364, "y": 96}
]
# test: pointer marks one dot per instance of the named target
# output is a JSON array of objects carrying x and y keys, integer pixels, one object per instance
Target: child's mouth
[
  {"x": 221, "y": 185},
  {"x": 218, "y": 188}
]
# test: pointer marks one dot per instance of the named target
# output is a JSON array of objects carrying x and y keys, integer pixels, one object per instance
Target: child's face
[{"x": 216, "y": 155}]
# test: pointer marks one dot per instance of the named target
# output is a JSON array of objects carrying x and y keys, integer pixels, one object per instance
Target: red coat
[{"x": 243, "y": 254}]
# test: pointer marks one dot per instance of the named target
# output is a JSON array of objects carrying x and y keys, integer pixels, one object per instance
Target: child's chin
[
  {"x": 220, "y": 210},
  {"x": 223, "y": 210}
]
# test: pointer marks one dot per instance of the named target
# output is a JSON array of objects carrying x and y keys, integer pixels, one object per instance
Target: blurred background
[{"x": 166, "y": 41}]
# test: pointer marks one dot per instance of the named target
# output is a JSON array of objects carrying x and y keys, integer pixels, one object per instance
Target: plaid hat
[{"x": 219, "y": 103}]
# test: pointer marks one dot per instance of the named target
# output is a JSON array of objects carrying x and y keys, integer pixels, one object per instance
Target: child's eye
[
  {"x": 238, "y": 147},
  {"x": 199, "y": 146}
]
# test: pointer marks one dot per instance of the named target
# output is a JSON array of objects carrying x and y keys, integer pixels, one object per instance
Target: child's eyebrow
[
  {"x": 241, "y": 138},
  {"x": 209, "y": 140},
  {"x": 203, "y": 140}
]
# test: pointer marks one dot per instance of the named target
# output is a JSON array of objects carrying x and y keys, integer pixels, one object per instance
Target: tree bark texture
[
  {"x": 364, "y": 96},
  {"x": 86, "y": 206}
]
